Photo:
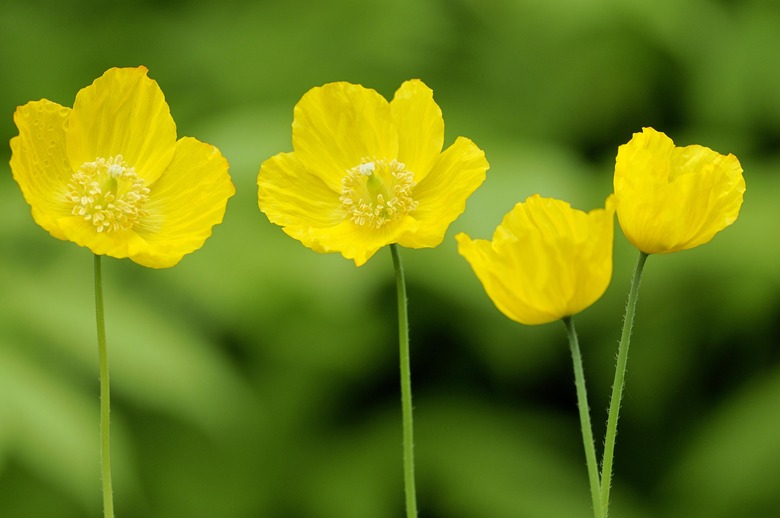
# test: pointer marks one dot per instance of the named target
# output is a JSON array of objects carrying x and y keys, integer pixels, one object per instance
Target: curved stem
[
  {"x": 105, "y": 395},
  {"x": 587, "y": 430},
  {"x": 617, "y": 385},
  {"x": 406, "y": 386}
]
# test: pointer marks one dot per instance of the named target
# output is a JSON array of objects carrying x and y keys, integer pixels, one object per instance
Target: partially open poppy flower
[
  {"x": 672, "y": 198},
  {"x": 546, "y": 261}
]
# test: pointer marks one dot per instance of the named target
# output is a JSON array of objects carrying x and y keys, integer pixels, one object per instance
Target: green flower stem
[
  {"x": 617, "y": 386},
  {"x": 406, "y": 386},
  {"x": 105, "y": 395},
  {"x": 587, "y": 430}
]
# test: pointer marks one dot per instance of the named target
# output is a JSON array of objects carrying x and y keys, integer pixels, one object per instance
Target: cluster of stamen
[
  {"x": 108, "y": 193},
  {"x": 377, "y": 192}
]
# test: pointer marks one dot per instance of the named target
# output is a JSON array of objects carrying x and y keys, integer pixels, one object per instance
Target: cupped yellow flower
[
  {"x": 546, "y": 261},
  {"x": 109, "y": 174},
  {"x": 366, "y": 173},
  {"x": 674, "y": 198}
]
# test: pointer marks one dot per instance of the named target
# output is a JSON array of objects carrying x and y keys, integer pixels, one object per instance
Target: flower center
[
  {"x": 377, "y": 192},
  {"x": 108, "y": 193}
]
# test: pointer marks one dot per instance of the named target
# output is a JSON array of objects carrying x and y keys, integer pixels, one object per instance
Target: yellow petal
[
  {"x": 311, "y": 212},
  {"x": 290, "y": 195},
  {"x": 119, "y": 244},
  {"x": 674, "y": 198},
  {"x": 352, "y": 241},
  {"x": 713, "y": 199},
  {"x": 39, "y": 162},
  {"x": 123, "y": 113},
  {"x": 420, "y": 127},
  {"x": 496, "y": 275},
  {"x": 546, "y": 261},
  {"x": 441, "y": 196},
  {"x": 184, "y": 204},
  {"x": 337, "y": 125}
]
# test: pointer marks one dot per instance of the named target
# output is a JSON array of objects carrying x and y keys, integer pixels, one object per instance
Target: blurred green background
[{"x": 259, "y": 379}]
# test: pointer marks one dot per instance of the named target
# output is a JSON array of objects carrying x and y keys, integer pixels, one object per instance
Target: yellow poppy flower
[
  {"x": 546, "y": 261},
  {"x": 671, "y": 198},
  {"x": 366, "y": 173},
  {"x": 109, "y": 174}
]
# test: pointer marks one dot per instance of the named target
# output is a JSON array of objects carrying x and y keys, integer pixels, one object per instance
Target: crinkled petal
[
  {"x": 290, "y": 195},
  {"x": 39, "y": 162},
  {"x": 420, "y": 127},
  {"x": 185, "y": 203},
  {"x": 353, "y": 241},
  {"x": 547, "y": 261},
  {"x": 589, "y": 260},
  {"x": 336, "y": 125},
  {"x": 713, "y": 198},
  {"x": 533, "y": 247},
  {"x": 442, "y": 195},
  {"x": 674, "y": 198},
  {"x": 119, "y": 244},
  {"x": 123, "y": 112},
  {"x": 502, "y": 282},
  {"x": 183, "y": 206}
]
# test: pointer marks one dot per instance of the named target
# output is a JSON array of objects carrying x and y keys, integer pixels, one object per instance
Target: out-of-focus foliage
[{"x": 258, "y": 378}]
